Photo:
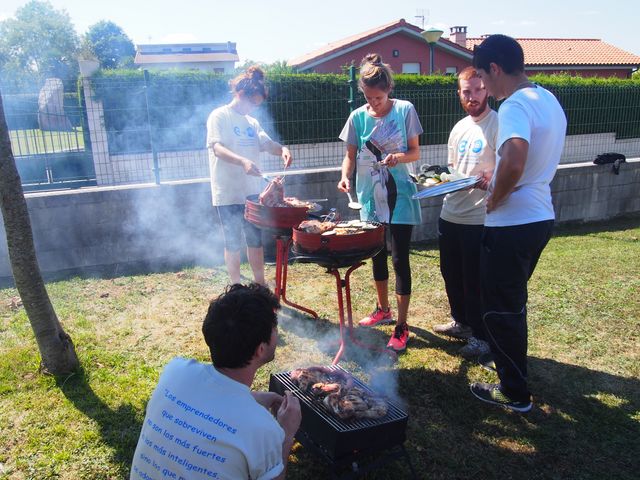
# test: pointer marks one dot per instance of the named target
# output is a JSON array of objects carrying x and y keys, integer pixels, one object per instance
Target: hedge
[{"x": 312, "y": 108}]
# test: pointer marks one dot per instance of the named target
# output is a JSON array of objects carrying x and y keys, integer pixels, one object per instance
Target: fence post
[
  {"x": 94, "y": 110},
  {"x": 352, "y": 87},
  {"x": 156, "y": 166}
]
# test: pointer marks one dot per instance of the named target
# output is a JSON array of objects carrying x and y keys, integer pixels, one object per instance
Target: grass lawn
[
  {"x": 584, "y": 347},
  {"x": 35, "y": 141}
]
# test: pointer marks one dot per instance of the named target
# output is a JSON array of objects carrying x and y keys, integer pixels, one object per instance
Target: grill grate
[{"x": 338, "y": 438}]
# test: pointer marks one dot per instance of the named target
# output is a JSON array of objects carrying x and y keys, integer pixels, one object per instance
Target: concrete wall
[{"x": 108, "y": 229}]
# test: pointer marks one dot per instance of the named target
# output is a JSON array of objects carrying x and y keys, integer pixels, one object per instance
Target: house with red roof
[{"x": 402, "y": 46}]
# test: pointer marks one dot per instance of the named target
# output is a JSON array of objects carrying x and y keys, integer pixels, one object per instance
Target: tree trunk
[{"x": 56, "y": 347}]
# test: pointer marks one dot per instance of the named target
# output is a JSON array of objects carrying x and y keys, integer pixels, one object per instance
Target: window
[
  {"x": 411, "y": 68},
  {"x": 218, "y": 70},
  {"x": 396, "y": 53},
  {"x": 451, "y": 70},
  {"x": 186, "y": 49}
]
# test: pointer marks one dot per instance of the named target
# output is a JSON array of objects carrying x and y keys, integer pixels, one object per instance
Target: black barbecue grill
[{"x": 343, "y": 442}]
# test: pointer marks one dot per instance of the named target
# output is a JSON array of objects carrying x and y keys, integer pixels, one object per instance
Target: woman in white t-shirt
[{"x": 234, "y": 142}]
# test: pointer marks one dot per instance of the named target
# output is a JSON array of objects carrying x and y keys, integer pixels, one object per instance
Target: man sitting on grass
[{"x": 203, "y": 421}]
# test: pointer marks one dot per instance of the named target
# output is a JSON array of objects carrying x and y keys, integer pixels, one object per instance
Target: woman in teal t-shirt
[{"x": 382, "y": 139}]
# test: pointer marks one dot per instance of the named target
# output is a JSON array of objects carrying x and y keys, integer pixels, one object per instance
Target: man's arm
[
  {"x": 289, "y": 417},
  {"x": 513, "y": 158}
]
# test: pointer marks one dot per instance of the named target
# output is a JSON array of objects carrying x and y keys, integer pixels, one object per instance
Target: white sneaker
[
  {"x": 474, "y": 348},
  {"x": 453, "y": 329}
]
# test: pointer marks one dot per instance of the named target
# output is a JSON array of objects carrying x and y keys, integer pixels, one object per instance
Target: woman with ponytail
[
  {"x": 234, "y": 142},
  {"x": 382, "y": 140}
]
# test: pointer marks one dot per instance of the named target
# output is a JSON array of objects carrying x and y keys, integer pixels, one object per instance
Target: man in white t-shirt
[
  {"x": 472, "y": 151},
  {"x": 202, "y": 420},
  {"x": 520, "y": 216}
]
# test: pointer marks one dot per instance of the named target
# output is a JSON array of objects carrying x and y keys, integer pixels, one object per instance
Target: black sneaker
[
  {"x": 486, "y": 361},
  {"x": 491, "y": 393}
]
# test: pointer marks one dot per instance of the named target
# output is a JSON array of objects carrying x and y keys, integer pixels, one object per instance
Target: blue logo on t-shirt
[
  {"x": 236, "y": 130},
  {"x": 251, "y": 132},
  {"x": 463, "y": 146},
  {"x": 477, "y": 146}
]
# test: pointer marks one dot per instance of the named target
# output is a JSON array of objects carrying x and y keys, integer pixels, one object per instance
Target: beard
[{"x": 475, "y": 109}]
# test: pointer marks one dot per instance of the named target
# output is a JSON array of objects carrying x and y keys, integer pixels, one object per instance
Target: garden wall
[{"x": 111, "y": 230}]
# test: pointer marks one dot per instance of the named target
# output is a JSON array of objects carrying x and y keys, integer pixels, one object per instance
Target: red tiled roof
[
  {"x": 355, "y": 40},
  {"x": 569, "y": 51}
]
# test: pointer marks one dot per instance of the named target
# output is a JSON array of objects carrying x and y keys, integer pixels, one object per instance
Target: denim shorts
[{"x": 232, "y": 222}]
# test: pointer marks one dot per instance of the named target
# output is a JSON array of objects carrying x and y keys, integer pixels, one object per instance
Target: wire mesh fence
[{"x": 145, "y": 128}]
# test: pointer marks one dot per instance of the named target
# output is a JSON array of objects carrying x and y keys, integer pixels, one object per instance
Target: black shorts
[{"x": 232, "y": 221}]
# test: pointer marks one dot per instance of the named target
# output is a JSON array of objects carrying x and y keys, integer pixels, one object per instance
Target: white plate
[{"x": 446, "y": 187}]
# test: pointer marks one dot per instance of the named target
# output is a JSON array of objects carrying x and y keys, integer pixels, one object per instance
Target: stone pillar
[{"x": 97, "y": 130}]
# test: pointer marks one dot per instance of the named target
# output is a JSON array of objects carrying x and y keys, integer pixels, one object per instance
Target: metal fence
[
  {"x": 47, "y": 130},
  {"x": 147, "y": 128}
]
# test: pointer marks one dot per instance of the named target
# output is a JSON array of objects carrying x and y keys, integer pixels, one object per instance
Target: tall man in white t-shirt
[
  {"x": 472, "y": 151},
  {"x": 203, "y": 421},
  {"x": 520, "y": 216}
]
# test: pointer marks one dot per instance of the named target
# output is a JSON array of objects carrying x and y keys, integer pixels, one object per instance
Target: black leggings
[{"x": 400, "y": 242}]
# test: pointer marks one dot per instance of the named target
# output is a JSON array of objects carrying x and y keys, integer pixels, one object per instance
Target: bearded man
[{"x": 472, "y": 151}]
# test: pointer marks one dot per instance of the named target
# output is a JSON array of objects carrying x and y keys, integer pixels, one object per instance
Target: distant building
[
  {"x": 210, "y": 57},
  {"x": 402, "y": 46}
]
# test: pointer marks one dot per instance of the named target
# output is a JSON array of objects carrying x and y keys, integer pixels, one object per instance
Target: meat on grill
[
  {"x": 315, "y": 226},
  {"x": 335, "y": 390},
  {"x": 273, "y": 194}
]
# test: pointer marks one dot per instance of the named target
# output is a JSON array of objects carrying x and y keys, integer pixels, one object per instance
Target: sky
[{"x": 270, "y": 30}]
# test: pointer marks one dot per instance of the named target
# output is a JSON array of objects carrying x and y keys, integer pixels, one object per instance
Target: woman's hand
[
  {"x": 251, "y": 168},
  {"x": 287, "y": 158},
  {"x": 390, "y": 160},
  {"x": 344, "y": 185}
]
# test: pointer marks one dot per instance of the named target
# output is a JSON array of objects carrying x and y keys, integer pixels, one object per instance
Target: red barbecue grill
[
  {"x": 341, "y": 251},
  {"x": 346, "y": 443},
  {"x": 278, "y": 221}
]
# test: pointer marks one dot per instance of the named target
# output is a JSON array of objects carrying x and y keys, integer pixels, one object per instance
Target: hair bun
[
  {"x": 255, "y": 73},
  {"x": 373, "y": 58}
]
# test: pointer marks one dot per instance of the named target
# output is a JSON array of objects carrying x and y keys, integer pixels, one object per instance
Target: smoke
[{"x": 317, "y": 340}]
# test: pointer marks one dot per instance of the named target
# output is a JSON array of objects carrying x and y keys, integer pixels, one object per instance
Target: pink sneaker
[
  {"x": 398, "y": 341},
  {"x": 377, "y": 317}
]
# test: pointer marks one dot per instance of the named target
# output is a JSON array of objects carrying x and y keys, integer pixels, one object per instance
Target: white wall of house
[{"x": 219, "y": 67}]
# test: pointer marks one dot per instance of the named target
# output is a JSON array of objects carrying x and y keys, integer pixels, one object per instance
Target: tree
[
  {"x": 39, "y": 42},
  {"x": 111, "y": 46},
  {"x": 276, "y": 68},
  {"x": 56, "y": 347}
]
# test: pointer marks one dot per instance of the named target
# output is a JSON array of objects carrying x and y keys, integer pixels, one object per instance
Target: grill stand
[
  {"x": 354, "y": 463},
  {"x": 345, "y": 285},
  {"x": 283, "y": 242}
]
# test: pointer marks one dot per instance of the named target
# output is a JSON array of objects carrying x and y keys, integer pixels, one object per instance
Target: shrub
[{"x": 172, "y": 106}]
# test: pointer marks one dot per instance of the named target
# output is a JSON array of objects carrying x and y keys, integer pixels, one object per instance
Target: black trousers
[
  {"x": 460, "y": 267},
  {"x": 400, "y": 242},
  {"x": 507, "y": 260}
]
